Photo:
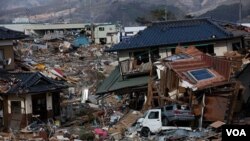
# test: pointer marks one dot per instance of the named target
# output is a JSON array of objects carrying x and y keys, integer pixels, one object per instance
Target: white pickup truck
[{"x": 152, "y": 122}]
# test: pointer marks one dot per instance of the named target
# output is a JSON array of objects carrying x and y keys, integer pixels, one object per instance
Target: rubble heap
[{"x": 82, "y": 67}]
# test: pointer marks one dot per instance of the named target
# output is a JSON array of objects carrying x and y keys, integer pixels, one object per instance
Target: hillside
[
  {"x": 229, "y": 13},
  {"x": 124, "y": 11}
]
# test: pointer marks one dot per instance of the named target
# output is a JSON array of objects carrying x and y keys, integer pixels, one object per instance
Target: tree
[
  {"x": 188, "y": 16},
  {"x": 142, "y": 21},
  {"x": 162, "y": 15},
  {"x": 158, "y": 14}
]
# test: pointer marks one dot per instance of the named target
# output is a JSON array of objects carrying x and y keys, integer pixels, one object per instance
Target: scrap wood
[
  {"x": 71, "y": 79},
  {"x": 214, "y": 135},
  {"x": 65, "y": 102},
  {"x": 124, "y": 124},
  {"x": 126, "y": 121},
  {"x": 217, "y": 124},
  {"x": 232, "y": 54},
  {"x": 85, "y": 118}
]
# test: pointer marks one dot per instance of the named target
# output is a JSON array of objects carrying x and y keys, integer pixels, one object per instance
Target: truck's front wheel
[{"x": 145, "y": 131}]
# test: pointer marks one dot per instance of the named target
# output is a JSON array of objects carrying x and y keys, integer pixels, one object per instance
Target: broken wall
[{"x": 7, "y": 47}]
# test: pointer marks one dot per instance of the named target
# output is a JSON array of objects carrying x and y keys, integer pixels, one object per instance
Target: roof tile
[{"x": 174, "y": 32}]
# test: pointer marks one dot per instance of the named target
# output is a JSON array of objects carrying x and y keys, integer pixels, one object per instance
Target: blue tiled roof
[{"x": 174, "y": 32}]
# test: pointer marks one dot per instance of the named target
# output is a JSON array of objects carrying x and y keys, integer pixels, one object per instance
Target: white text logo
[{"x": 236, "y": 132}]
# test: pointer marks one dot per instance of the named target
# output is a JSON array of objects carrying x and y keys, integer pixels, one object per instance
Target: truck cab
[{"x": 151, "y": 122}]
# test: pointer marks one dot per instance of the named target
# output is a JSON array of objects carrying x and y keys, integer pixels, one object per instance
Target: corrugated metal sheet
[{"x": 174, "y": 32}]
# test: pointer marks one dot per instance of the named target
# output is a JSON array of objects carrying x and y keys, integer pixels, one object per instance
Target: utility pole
[
  {"x": 70, "y": 14},
  {"x": 91, "y": 12},
  {"x": 28, "y": 14},
  {"x": 166, "y": 14},
  {"x": 240, "y": 10}
]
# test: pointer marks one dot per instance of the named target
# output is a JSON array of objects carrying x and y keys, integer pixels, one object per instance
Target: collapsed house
[
  {"x": 6, "y": 47},
  {"x": 237, "y": 30},
  {"x": 24, "y": 94},
  {"x": 242, "y": 76},
  {"x": 197, "y": 79},
  {"x": 131, "y": 89}
]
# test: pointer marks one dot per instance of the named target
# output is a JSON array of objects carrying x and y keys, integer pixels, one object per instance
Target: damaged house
[
  {"x": 24, "y": 95},
  {"x": 6, "y": 47},
  {"x": 199, "y": 80},
  {"x": 159, "y": 40},
  {"x": 27, "y": 94}
]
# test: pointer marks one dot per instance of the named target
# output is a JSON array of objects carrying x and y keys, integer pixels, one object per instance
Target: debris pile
[{"x": 63, "y": 62}]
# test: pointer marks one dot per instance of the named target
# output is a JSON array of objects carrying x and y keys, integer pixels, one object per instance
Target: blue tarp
[{"x": 81, "y": 41}]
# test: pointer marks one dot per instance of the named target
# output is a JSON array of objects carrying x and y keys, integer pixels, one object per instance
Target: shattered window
[
  {"x": 201, "y": 74},
  {"x": 153, "y": 115}
]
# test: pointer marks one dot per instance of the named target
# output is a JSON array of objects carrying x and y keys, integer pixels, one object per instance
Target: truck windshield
[{"x": 145, "y": 114}]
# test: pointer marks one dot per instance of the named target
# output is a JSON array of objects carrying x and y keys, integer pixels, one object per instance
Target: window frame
[
  {"x": 155, "y": 117},
  {"x": 101, "y": 29}
]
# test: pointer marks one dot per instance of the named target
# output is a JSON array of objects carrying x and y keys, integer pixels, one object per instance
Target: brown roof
[{"x": 200, "y": 61}]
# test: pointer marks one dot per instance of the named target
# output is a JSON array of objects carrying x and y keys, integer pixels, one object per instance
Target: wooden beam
[
  {"x": 233, "y": 102},
  {"x": 148, "y": 103}
]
